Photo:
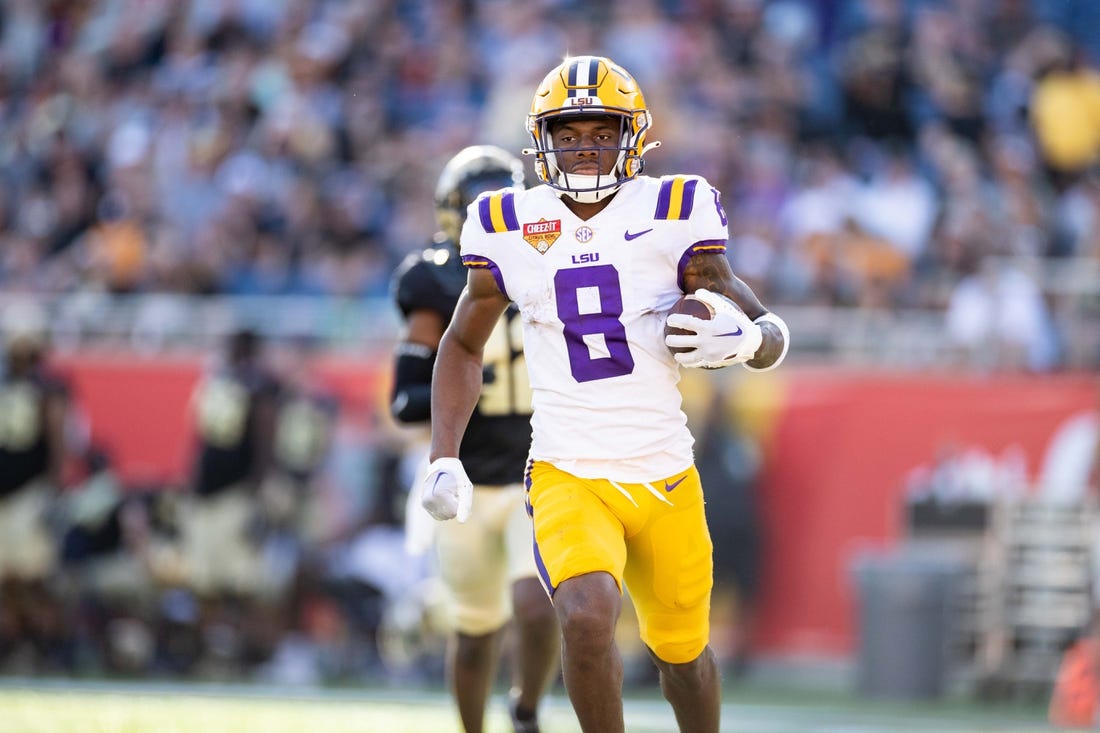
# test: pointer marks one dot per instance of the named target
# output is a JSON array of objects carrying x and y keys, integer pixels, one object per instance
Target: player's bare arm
[
  {"x": 456, "y": 381},
  {"x": 424, "y": 327},
  {"x": 712, "y": 271}
]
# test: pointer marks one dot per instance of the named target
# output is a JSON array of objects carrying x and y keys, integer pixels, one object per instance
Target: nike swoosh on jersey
[
  {"x": 629, "y": 235},
  {"x": 674, "y": 484}
]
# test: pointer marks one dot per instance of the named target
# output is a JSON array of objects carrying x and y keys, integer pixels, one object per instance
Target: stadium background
[{"x": 911, "y": 183}]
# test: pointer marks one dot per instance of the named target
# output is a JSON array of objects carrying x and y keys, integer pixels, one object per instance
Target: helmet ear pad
[{"x": 634, "y": 164}]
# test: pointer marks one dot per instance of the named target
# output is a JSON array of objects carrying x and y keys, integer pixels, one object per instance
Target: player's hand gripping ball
[
  {"x": 692, "y": 306},
  {"x": 707, "y": 330}
]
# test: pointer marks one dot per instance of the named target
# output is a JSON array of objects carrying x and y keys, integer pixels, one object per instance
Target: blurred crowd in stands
[{"x": 880, "y": 154}]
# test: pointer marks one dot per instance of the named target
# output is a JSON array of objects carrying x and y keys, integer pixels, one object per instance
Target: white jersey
[{"x": 593, "y": 296}]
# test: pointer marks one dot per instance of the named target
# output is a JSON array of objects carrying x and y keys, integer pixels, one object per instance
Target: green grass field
[{"x": 62, "y": 707}]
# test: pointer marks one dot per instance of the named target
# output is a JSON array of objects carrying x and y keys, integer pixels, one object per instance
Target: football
[{"x": 692, "y": 306}]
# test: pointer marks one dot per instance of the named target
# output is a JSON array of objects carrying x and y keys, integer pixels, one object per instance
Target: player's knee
[
  {"x": 587, "y": 608},
  {"x": 474, "y": 650},
  {"x": 694, "y": 672},
  {"x": 586, "y": 627}
]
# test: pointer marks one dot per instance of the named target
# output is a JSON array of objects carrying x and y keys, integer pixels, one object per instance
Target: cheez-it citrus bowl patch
[{"x": 542, "y": 234}]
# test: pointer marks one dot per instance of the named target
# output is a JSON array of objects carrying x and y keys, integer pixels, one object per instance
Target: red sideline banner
[
  {"x": 839, "y": 449},
  {"x": 138, "y": 407}
]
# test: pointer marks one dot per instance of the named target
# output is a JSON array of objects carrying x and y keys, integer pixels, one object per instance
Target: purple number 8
[{"x": 605, "y": 321}]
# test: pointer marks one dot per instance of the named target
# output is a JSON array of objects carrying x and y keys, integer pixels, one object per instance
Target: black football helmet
[{"x": 470, "y": 172}]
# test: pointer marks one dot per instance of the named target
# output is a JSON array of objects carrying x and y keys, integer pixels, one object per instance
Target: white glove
[
  {"x": 447, "y": 492},
  {"x": 729, "y": 337},
  {"x": 419, "y": 525}
]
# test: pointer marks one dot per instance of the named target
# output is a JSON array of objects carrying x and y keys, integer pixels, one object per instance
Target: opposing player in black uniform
[
  {"x": 234, "y": 407},
  {"x": 34, "y": 404},
  {"x": 484, "y": 558}
]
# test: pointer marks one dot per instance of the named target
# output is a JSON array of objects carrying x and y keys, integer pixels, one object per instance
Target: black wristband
[{"x": 412, "y": 386}]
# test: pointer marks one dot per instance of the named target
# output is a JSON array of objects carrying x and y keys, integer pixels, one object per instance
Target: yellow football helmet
[
  {"x": 470, "y": 172},
  {"x": 589, "y": 86}
]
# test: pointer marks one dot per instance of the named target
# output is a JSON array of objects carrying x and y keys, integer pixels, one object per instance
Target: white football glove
[
  {"x": 730, "y": 337},
  {"x": 447, "y": 492}
]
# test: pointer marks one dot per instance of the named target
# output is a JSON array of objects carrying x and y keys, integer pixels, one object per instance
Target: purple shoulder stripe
[
  {"x": 508, "y": 208},
  {"x": 689, "y": 198},
  {"x": 664, "y": 199},
  {"x": 484, "y": 215}
]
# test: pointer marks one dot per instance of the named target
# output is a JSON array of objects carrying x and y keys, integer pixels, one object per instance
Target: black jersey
[
  {"x": 303, "y": 429},
  {"x": 494, "y": 447},
  {"x": 431, "y": 279},
  {"x": 225, "y": 412},
  {"x": 24, "y": 443}
]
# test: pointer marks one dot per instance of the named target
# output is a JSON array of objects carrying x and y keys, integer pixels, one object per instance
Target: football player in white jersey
[{"x": 594, "y": 259}]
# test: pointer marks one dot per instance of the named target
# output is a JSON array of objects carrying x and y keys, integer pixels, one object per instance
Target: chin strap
[
  {"x": 585, "y": 197},
  {"x": 594, "y": 196}
]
